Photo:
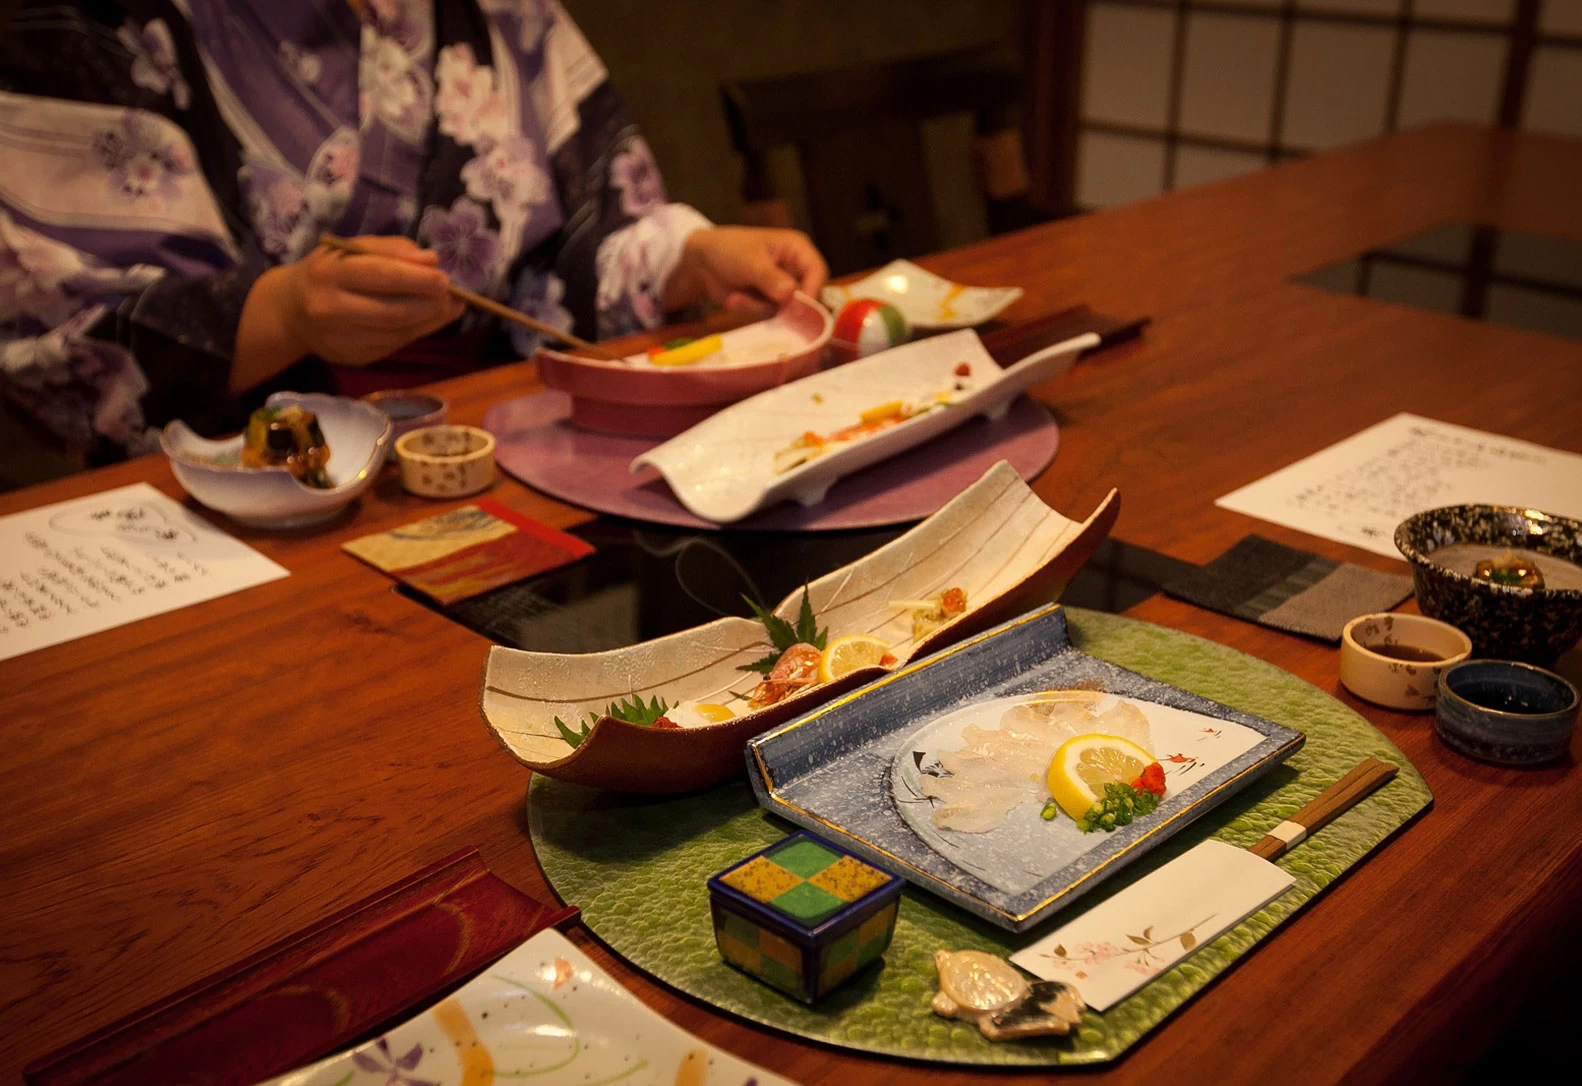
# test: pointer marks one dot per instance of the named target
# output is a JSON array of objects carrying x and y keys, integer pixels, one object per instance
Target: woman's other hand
[
  {"x": 345, "y": 308},
  {"x": 747, "y": 269}
]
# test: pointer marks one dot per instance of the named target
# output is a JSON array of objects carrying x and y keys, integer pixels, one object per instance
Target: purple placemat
[{"x": 537, "y": 445}]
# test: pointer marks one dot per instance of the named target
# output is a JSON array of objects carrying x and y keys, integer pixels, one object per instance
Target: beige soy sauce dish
[
  {"x": 446, "y": 461},
  {"x": 1395, "y": 660}
]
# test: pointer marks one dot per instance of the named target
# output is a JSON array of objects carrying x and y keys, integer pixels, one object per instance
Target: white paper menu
[
  {"x": 1358, "y": 490},
  {"x": 77, "y": 567}
]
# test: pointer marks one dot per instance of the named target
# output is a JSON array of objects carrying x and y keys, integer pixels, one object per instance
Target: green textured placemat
[{"x": 637, "y": 866}]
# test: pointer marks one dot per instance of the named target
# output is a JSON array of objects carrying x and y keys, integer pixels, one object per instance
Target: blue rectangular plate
[{"x": 829, "y": 771}]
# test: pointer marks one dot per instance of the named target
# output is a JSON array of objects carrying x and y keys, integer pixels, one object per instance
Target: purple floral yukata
[{"x": 156, "y": 156}]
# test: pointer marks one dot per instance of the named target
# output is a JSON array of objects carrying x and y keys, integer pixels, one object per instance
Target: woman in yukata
[{"x": 166, "y": 168}]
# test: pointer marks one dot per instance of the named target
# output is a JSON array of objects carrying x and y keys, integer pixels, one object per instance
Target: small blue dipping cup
[{"x": 1505, "y": 712}]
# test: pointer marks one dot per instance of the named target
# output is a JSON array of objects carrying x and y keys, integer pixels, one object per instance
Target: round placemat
[
  {"x": 538, "y": 445},
  {"x": 636, "y": 865}
]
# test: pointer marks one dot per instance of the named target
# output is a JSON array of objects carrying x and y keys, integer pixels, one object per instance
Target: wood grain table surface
[{"x": 178, "y": 793}]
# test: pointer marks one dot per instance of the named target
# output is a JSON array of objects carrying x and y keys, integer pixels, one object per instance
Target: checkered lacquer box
[{"x": 803, "y": 915}]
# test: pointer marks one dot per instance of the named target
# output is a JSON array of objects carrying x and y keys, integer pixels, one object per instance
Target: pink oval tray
[{"x": 538, "y": 445}]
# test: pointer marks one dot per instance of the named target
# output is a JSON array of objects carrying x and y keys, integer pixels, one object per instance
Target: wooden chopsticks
[
  {"x": 488, "y": 305},
  {"x": 1339, "y": 797}
]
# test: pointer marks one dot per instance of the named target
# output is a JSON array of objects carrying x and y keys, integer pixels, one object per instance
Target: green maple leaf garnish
[
  {"x": 633, "y": 710},
  {"x": 763, "y": 666},
  {"x": 807, "y": 630},
  {"x": 573, "y": 738},
  {"x": 782, "y": 635}
]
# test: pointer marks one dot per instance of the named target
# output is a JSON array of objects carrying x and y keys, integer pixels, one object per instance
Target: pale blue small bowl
[{"x": 1505, "y": 712}]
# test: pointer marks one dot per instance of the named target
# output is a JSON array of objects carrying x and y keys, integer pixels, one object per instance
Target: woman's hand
[
  {"x": 343, "y": 307},
  {"x": 747, "y": 269}
]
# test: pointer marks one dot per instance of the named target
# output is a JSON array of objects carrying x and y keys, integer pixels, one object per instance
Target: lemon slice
[
  {"x": 846, "y": 654},
  {"x": 714, "y": 714},
  {"x": 1083, "y": 766}
]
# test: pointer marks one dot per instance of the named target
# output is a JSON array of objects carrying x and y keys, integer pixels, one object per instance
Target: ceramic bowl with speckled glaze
[
  {"x": 1504, "y": 621},
  {"x": 1505, "y": 712}
]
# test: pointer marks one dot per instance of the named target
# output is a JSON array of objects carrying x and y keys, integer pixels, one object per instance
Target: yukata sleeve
[
  {"x": 623, "y": 237},
  {"x": 121, "y": 281}
]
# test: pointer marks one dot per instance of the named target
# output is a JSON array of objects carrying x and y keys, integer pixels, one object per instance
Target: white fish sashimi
[
  {"x": 998, "y": 769},
  {"x": 977, "y": 805}
]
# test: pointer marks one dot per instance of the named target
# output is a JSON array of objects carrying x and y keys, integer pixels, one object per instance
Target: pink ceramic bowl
[{"x": 635, "y": 397}]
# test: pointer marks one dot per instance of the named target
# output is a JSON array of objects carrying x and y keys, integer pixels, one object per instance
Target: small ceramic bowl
[
  {"x": 1395, "y": 660},
  {"x": 446, "y": 461},
  {"x": 1505, "y": 712},
  {"x": 637, "y": 398},
  {"x": 1506, "y": 622},
  {"x": 408, "y": 411},
  {"x": 357, "y": 433}
]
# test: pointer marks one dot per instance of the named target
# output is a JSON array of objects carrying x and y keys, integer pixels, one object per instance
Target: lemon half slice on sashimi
[
  {"x": 1084, "y": 765},
  {"x": 847, "y": 654}
]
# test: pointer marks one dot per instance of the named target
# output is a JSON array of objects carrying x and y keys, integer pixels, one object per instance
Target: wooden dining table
[{"x": 177, "y": 793}]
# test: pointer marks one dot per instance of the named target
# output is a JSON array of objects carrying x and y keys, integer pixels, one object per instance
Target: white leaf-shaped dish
[
  {"x": 996, "y": 541},
  {"x": 723, "y": 469},
  {"x": 543, "y": 1013},
  {"x": 926, "y": 300},
  {"x": 357, "y": 433}
]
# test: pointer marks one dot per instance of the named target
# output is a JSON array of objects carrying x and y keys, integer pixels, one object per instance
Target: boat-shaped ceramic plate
[
  {"x": 543, "y": 1013},
  {"x": 996, "y": 541},
  {"x": 856, "y": 767},
  {"x": 926, "y": 300},
  {"x": 742, "y": 460},
  {"x": 634, "y": 396}
]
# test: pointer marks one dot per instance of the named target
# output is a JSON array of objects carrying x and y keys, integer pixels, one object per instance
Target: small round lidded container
[{"x": 803, "y": 915}]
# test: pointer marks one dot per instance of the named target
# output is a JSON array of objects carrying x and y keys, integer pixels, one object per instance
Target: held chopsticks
[
  {"x": 488, "y": 305},
  {"x": 1333, "y": 801}
]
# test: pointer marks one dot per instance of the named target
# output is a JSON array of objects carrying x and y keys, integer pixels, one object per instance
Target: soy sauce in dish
[{"x": 1406, "y": 652}]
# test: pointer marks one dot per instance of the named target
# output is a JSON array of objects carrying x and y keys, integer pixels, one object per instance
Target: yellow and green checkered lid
[{"x": 805, "y": 881}]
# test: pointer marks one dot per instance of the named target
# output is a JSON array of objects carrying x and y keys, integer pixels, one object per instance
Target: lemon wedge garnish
[
  {"x": 846, "y": 654},
  {"x": 1083, "y": 766},
  {"x": 714, "y": 714}
]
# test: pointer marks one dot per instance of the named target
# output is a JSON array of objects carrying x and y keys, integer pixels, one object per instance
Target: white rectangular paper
[
  {"x": 1358, "y": 490},
  {"x": 1122, "y": 943},
  {"x": 77, "y": 567}
]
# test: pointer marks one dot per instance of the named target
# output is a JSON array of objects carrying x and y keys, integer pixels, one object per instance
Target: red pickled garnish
[
  {"x": 953, "y": 602},
  {"x": 964, "y": 370},
  {"x": 887, "y": 660},
  {"x": 666, "y": 722},
  {"x": 1152, "y": 780}
]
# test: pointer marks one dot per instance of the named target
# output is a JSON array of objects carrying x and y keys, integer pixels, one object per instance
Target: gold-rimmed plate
[{"x": 853, "y": 770}]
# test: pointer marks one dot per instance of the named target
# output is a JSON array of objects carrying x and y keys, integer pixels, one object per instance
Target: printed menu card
[
  {"x": 1358, "y": 490},
  {"x": 77, "y": 567}
]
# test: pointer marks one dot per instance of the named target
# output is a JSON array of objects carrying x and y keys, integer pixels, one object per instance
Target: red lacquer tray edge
[{"x": 315, "y": 991}]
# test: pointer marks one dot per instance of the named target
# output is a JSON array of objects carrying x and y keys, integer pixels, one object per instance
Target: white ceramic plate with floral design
[
  {"x": 743, "y": 458},
  {"x": 543, "y": 1013},
  {"x": 926, "y": 300}
]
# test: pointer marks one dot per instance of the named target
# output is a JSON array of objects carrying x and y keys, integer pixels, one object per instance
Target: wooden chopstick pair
[
  {"x": 488, "y": 305},
  {"x": 1338, "y": 798}
]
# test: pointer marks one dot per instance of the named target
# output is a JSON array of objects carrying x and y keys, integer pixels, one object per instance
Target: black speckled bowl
[{"x": 1504, "y": 622}]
